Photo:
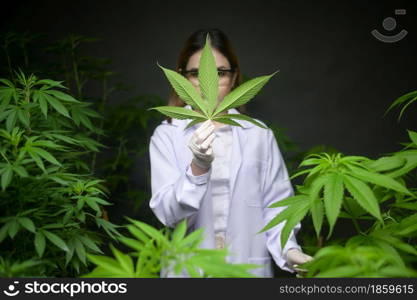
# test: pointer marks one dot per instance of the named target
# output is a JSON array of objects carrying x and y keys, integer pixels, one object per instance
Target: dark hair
[{"x": 196, "y": 42}]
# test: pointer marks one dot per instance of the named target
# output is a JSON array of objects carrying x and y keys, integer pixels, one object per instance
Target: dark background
[{"x": 335, "y": 81}]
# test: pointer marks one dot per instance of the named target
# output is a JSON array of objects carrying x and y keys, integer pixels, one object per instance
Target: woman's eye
[
  {"x": 194, "y": 74},
  {"x": 221, "y": 73}
]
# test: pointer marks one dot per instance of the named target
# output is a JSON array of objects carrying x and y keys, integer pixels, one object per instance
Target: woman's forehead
[{"x": 221, "y": 60}]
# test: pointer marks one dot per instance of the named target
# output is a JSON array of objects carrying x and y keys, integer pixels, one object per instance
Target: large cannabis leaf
[{"x": 205, "y": 105}]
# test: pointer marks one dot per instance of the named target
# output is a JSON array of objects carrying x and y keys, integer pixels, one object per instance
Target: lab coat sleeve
[
  {"x": 277, "y": 187},
  {"x": 176, "y": 194}
]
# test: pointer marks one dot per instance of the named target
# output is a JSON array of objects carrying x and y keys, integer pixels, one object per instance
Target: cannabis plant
[
  {"x": 357, "y": 261},
  {"x": 51, "y": 206},
  {"x": 374, "y": 195},
  {"x": 206, "y": 106},
  {"x": 124, "y": 127},
  {"x": 154, "y": 250},
  {"x": 334, "y": 175}
]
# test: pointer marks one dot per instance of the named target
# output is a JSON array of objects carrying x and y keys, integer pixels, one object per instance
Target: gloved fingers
[
  {"x": 208, "y": 158},
  {"x": 200, "y": 144},
  {"x": 292, "y": 256},
  {"x": 307, "y": 257},
  {"x": 297, "y": 257},
  {"x": 300, "y": 270},
  {"x": 207, "y": 142},
  {"x": 199, "y": 137},
  {"x": 203, "y": 135},
  {"x": 205, "y": 123},
  {"x": 196, "y": 147},
  {"x": 209, "y": 151},
  {"x": 204, "y": 160},
  {"x": 203, "y": 126}
]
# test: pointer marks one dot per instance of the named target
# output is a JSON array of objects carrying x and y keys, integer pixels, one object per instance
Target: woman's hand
[
  {"x": 200, "y": 145},
  {"x": 295, "y": 257}
]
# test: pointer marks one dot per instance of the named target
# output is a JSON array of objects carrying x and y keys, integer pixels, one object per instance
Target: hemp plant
[
  {"x": 160, "y": 252},
  {"x": 324, "y": 189},
  {"x": 206, "y": 106},
  {"x": 378, "y": 195}
]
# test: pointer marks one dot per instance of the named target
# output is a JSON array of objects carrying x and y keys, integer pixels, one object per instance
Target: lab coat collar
[{"x": 177, "y": 122}]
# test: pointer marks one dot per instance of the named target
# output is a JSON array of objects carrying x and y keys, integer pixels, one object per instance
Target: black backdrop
[{"x": 335, "y": 79}]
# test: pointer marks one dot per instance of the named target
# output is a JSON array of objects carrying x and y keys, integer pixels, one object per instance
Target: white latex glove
[
  {"x": 200, "y": 145},
  {"x": 295, "y": 257}
]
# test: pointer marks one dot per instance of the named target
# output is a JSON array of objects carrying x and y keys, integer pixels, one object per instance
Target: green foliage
[
  {"x": 158, "y": 249},
  {"x": 124, "y": 127},
  {"x": 360, "y": 189},
  {"x": 329, "y": 177},
  {"x": 206, "y": 106},
  {"x": 356, "y": 261},
  {"x": 407, "y": 156},
  {"x": 49, "y": 202},
  {"x": 68, "y": 210},
  {"x": 52, "y": 206},
  {"x": 15, "y": 268},
  {"x": 405, "y": 100},
  {"x": 380, "y": 253}
]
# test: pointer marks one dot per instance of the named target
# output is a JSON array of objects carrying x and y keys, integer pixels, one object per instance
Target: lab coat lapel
[{"x": 239, "y": 140}]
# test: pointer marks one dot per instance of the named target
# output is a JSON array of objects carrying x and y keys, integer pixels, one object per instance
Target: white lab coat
[{"x": 258, "y": 178}]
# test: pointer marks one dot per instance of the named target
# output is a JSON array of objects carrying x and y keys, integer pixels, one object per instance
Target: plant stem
[
  {"x": 9, "y": 63},
  {"x": 355, "y": 222},
  {"x": 75, "y": 70},
  {"x": 65, "y": 67},
  {"x": 320, "y": 241},
  {"x": 101, "y": 110}
]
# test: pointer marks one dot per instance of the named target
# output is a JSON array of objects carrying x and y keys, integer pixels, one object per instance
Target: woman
[{"x": 222, "y": 177}]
